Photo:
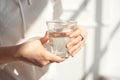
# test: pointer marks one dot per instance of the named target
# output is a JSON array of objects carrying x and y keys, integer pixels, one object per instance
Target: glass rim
[{"x": 62, "y": 21}]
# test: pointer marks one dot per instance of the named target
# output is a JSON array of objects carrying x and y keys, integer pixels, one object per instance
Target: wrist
[
  {"x": 16, "y": 52},
  {"x": 7, "y": 54}
]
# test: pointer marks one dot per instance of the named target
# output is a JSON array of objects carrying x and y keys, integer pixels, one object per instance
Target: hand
[
  {"x": 78, "y": 38},
  {"x": 34, "y": 52}
]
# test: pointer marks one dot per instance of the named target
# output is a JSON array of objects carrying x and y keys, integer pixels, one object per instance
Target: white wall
[{"x": 101, "y": 55}]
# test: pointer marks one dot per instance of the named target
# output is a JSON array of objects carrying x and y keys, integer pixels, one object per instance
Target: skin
[
  {"x": 78, "y": 39},
  {"x": 34, "y": 52}
]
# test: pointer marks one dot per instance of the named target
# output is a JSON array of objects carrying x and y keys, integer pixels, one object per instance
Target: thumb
[
  {"x": 45, "y": 38},
  {"x": 54, "y": 58}
]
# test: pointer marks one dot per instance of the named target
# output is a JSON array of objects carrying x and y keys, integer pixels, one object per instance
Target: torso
[{"x": 11, "y": 30}]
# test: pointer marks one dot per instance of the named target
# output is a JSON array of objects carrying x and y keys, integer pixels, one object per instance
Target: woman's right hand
[{"x": 34, "y": 52}]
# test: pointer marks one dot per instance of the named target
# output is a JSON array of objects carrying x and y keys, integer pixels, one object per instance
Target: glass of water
[{"x": 57, "y": 36}]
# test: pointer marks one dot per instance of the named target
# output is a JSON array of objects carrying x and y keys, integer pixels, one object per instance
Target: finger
[
  {"x": 74, "y": 41},
  {"x": 43, "y": 63},
  {"x": 45, "y": 38},
  {"x": 75, "y": 47},
  {"x": 75, "y": 32},
  {"x": 77, "y": 50},
  {"x": 54, "y": 58},
  {"x": 70, "y": 50},
  {"x": 79, "y": 31}
]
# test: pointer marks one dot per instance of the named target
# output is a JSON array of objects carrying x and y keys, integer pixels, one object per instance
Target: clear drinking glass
[{"x": 57, "y": 36}]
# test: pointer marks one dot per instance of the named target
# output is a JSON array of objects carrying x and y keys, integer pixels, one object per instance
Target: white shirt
[{"x": 21, "y": 20}]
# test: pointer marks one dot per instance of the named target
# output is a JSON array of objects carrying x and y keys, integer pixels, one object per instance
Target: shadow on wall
[
  {"x": 81, "y": 8},
  {"x": 102, "y": 53},
  {"x": 98, "y": 53},
  {"x": 108, "y": 78}
]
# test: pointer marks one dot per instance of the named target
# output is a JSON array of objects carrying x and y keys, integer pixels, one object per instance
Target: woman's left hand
[{"x": 77, "y": 40}]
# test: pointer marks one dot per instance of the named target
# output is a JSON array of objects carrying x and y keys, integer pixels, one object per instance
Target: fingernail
[
  {"x": 68, "y": 45},
  {"x": 72, "y": 55}
]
